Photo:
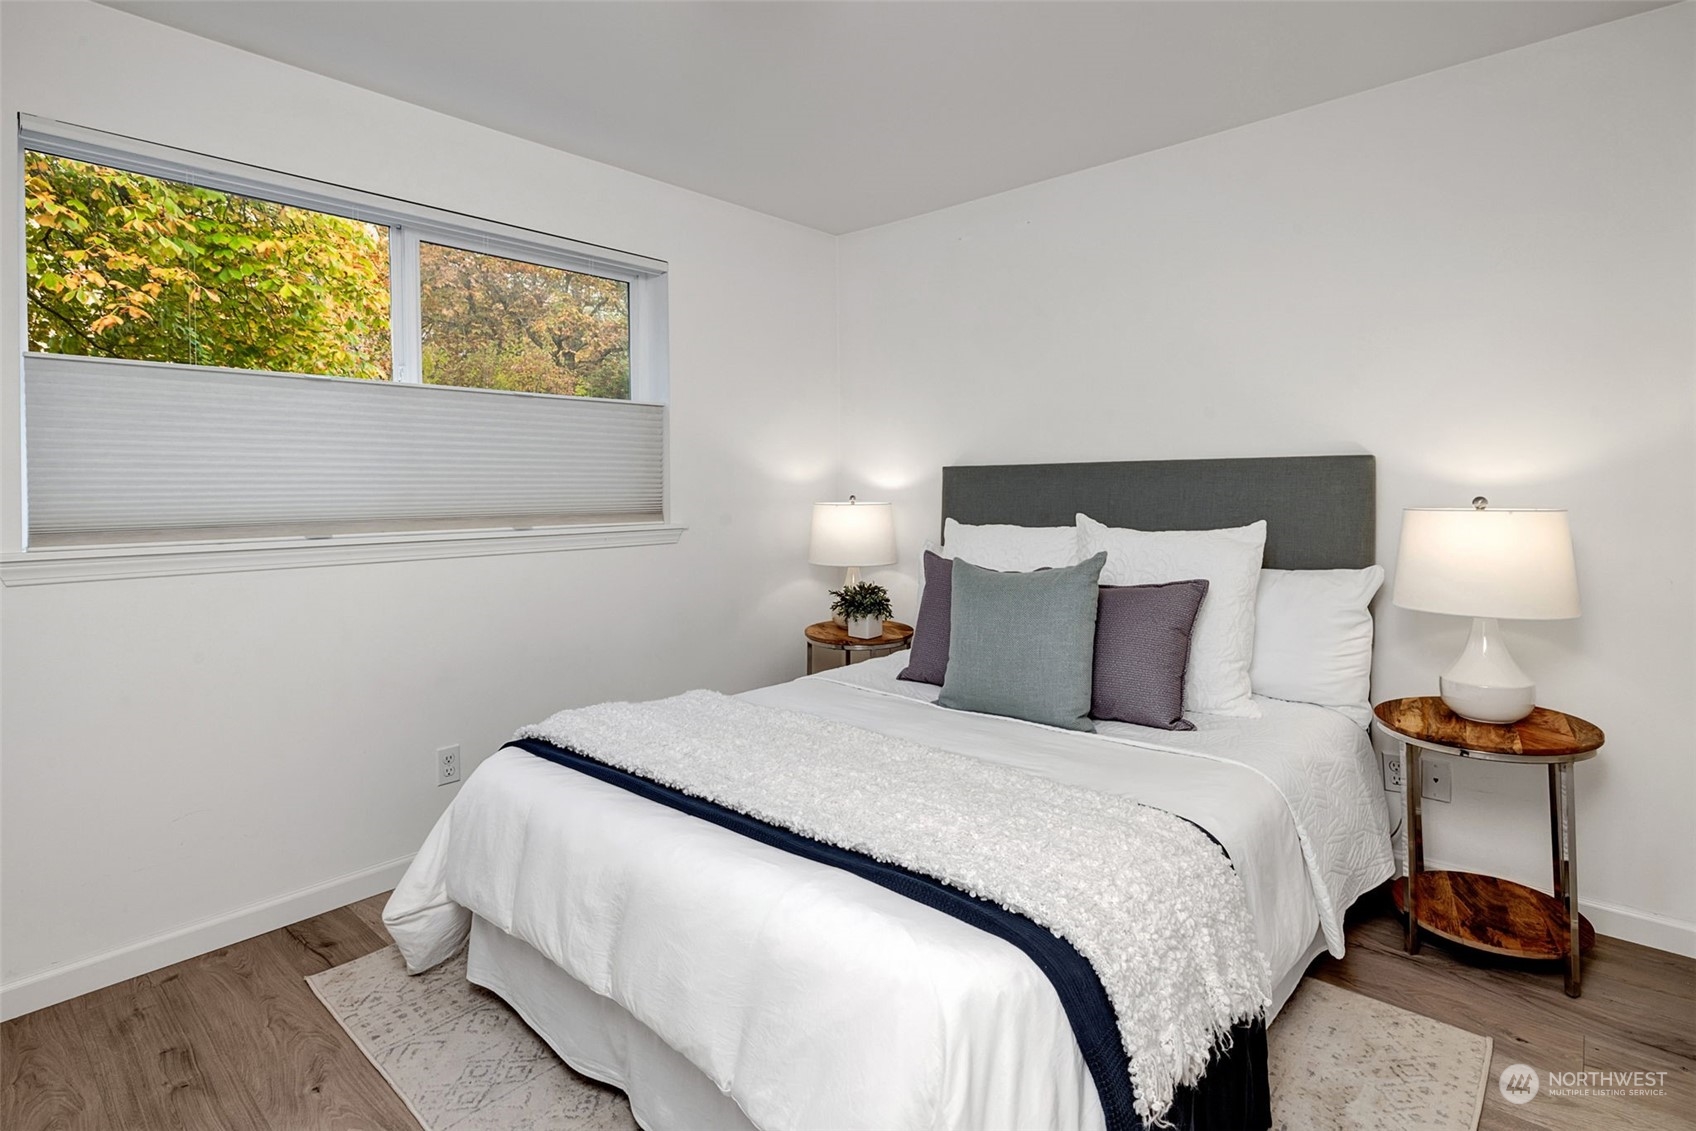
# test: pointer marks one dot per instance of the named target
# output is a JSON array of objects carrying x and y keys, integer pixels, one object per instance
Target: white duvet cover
[
  {"x": 1318, "y": 761},
  {"x": 813, "y": 998}
]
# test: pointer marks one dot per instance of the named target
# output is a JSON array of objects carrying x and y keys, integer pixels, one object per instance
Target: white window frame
[{"x": 410, "y": 224}]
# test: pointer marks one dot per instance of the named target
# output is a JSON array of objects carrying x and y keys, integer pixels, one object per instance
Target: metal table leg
[
  {"x": 810, "y": 651},
  {"x": 1411, "y": 779},
  {"x": 1566, "y": 868}
]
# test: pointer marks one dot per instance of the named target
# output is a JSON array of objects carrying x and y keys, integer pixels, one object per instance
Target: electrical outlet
[
  {"x": 1436, "y": 784},
  {"x": 1393, "y": 772},
  {"x": 447, "y": 765}
]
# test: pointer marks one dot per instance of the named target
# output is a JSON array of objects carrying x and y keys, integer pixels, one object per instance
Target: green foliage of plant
[
  {"x": 494, "y": 323},
  {"x": 124, "y": 265},
  {"x": 867, "y": 599}
]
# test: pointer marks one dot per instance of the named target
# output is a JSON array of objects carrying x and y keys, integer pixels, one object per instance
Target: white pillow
[
  {"x": 1222, "y": 645},
  {"x": 1017, "y": 548},
  {"x": 1313, "y": 637}
]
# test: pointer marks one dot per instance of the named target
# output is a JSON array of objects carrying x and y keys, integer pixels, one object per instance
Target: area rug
[
  {"x": 463, "y": 1061},
  {"x": 457, "y": 1055},
  {"x": 1341, "y": 1059}
]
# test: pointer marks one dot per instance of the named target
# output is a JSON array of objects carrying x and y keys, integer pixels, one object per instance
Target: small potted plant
[{"x": 864, "y": 606}]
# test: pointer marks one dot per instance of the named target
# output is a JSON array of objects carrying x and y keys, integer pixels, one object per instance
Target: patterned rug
[
  {"x": 1343, "y": 1060},
  {"x": 463, "y": 1061}
]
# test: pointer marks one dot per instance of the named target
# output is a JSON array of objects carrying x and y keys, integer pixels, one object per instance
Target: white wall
[
  {"x": 178, "y": 749},
  {"x": 1482, "y": 276}
]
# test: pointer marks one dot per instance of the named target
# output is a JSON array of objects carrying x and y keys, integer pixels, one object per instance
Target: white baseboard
[
  {"x": 1642, "y": 927},
  {"x": 61, "y": 983}
]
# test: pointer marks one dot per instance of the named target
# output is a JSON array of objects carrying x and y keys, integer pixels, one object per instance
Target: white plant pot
[{"x": 865, "y": 628}]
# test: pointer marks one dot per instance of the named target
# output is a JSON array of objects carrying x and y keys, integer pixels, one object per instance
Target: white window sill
[{"x": 114, "y": 562}]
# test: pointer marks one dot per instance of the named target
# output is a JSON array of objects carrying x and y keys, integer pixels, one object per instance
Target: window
[
  {"x": 219, "y": 353},
  {"x": 494, "y": 323},
  {"x": 121, "y": 264}
]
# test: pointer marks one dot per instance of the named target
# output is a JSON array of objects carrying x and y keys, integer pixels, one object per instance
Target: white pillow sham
[
  {"x": 1019, "y": 549},
  {"x": 1222, "y": 644},
  {"x": 1011, "y": 548},
  {"x": 1313, "y": 637}
]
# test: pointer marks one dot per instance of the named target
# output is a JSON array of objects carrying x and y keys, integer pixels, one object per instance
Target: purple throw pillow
[
  {"x": 1142, "y": 650},
  {"x": 928, "y": 657}
]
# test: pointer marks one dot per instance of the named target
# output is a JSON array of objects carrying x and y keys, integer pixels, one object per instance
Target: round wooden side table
[
  {"x": 1484, "y": 912},
  {"x": 832, "y": 636}
]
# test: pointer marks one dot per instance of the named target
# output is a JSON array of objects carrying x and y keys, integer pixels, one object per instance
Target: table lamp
[
  {"x": 1489, "y": 565},
  {"x": 852, "y": 534}
]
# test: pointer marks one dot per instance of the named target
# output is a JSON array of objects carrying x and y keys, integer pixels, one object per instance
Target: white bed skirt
[{"x": 601, "y": 1039}]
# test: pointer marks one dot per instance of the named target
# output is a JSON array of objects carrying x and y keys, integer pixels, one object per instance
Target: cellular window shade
[{"x": 118, "y": 447}]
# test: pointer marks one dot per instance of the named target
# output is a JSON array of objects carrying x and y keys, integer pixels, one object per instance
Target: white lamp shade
[
  {"x": 852, "y": 534},
  {"x": 1506, "y": 564}
]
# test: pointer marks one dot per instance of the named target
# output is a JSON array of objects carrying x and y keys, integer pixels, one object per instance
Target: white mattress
[{"x": 810, "y": 997}]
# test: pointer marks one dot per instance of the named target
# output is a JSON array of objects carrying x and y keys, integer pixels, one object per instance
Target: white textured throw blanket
[{"x": 1146, "y": 897}]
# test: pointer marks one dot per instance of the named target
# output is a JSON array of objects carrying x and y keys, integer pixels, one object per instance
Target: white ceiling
[{"x": 845, "y": 115}]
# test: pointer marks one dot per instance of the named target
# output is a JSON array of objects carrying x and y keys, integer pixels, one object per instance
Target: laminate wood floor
[{"x": 234, "y": 1039}]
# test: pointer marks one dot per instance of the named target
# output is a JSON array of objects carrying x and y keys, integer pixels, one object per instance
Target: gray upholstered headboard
[{"x": 1321, "y": 512}]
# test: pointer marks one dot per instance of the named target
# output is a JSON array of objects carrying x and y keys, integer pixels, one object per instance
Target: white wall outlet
[
  {"x": 1436, "y": 785},
  {"x": 1393, "y": 772},
  {"x": 447, "y": 765}
]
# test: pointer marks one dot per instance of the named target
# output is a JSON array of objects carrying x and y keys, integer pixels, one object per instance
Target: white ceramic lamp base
[{"x": 1485, "y": 684}]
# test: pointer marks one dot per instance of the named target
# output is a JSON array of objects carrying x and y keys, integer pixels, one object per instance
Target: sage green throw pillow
[{"x": 1023, "y": 644}]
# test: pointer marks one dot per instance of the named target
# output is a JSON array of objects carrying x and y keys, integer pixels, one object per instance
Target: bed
[{"x": 725, "y": 983}]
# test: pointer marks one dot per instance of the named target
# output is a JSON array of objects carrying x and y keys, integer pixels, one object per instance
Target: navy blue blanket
[{"x": 1234, "y": 1095}]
